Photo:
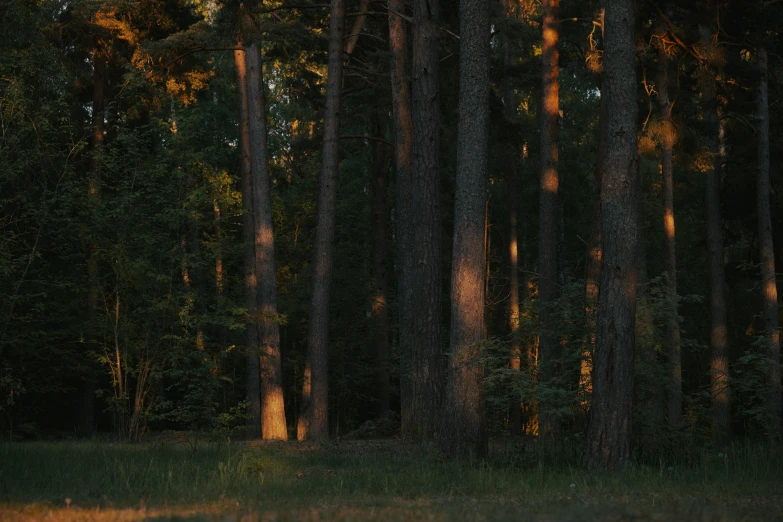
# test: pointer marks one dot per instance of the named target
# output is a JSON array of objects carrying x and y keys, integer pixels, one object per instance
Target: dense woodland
[{"x": 371, "y": 218}]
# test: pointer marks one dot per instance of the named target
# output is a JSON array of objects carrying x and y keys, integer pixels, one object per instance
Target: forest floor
[{"x": 190, "y": 479}]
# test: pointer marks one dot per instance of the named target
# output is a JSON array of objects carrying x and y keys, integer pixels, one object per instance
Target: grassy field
[{"x": 196, "y": 480}]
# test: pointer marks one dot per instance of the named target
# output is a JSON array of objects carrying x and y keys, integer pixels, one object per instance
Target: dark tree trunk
[
  {"x": 380, "y": 269},
  {"x": 513, "y": 152},
  {"x": 248, "y": 228},
  {"x": 403, "y": 128},
  {"x": 94, "y": 194},
  {"x": 549, "y": 222},
  {"x": 273, "y": 425},
  {"x": 719, "y": 374},
  {"x": 426, "y": 309},
  {"x": 670, "y": 256},
  {"x": 609, "y": 435},
  {"x": 463, "y": 425},
  {"x": 594, "y": 254},
  {"x": 769, "y": 293},
  {"x": 313, "y": 417}
]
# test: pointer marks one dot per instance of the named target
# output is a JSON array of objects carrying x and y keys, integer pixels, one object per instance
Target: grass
[{"x": 370, "y": 480}]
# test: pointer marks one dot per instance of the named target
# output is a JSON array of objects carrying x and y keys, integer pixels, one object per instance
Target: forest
[{"x": 480, "y": 238}]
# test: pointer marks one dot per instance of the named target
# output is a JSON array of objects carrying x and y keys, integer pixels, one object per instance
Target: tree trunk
[
  {"x": 94, "y": 197},
  {"x": 380, "y": 306},
  {"x": 670, "y": 257},
  {"x": 248, "y": 228},
  {"x": 273, "y": 425},
  {"x": 548, "y": 215},
  {"x": 609, "y": 435},
  {"x": 463, "y": 425},
  {"x": 769, "y": 293},
  {"x": 513, "y": 152},
  {"x": 313, "y": 417},
  {"x": 719, "y": 375},
  {"x": 403, "y": 128},
  {"x": 594, "y": 255},
  {"x": 358, "y": 25},
  {"x": 426, "y": 309}
]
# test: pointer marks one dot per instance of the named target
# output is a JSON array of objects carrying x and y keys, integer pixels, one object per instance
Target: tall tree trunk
[
  {"x": 426, "y": 309},
  {"x": 94, "y": 195},
  {"x": 380, "y": 306},
  {"x": 463, "y": 425},
  {"x": 594, "y": 254},
  {"x": 313, "y": 417},
  {"x": 248, "y": 233},
  {"x": 719, "y": 374},
  {"x": 769, "y": 293},
  {"x": 548, "y": 215},
  {"x": 670, "y": 256},
  {"x": 609, "y": 435},
  {"x": 403, "y": 128},
  {"x": 273, "y": 425},
  {"x": 513, "y": 152}
]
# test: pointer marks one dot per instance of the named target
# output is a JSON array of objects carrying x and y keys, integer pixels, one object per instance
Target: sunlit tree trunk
[
  {"x": 719, "y": 366},
  {"x": 670, "y": 256},
  {"x": 313, "y": 417},
  {"x": 609, "y": 435},
  {"x": 380, "y": 249},
  {"x": 463, "y": 425},
  {"x": 248, "y": 228},
  {"x": 273, "y": 425},
  {"x": 769, "y": 294},
  {"x": 403, "y": 129},
  {"x": 548, "y": 231},
  {"x": 94, "y": 196},
  {"x": 426, "y": 308}
]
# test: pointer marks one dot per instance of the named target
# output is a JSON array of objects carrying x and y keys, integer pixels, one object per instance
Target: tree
[
  {"x": 248, "y": 236},
  {"x": 670, "y": 256},
  {"x": 769, "y": 294},
  {"x": 609, "y": 433},
  {"x": 313, "y": 420},
  {"x": 273, "y": 424},
  {"x": 380, "y": 272},
  {"x": 549, "y": 219},
  {"x": 463, "y": 430},
  {"x": 719, "y": 365},
  {"x": 426, "y": 310},
  {"x": 94, "y": 194},
  {"x": 403, "y": 129}
]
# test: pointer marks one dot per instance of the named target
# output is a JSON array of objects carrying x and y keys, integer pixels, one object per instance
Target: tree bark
[
  {"x": 94, "y": 197},
  {"x": 426, "y": 309},
  {"x": 719, "y": 374},
  {"x": 769, "y": 293},
  {"x": 548, "y": 231},
  {"x": 273, "y": 425},
  {"x": 248, "y": 237},
  {"x": 313, "y": 417},
  {"x": 463, "y": 426},
  {"x": 670, "y": 256},
  {"x": 513, "y": 152},
  {"x": 380, "y": 306},
  {"x": 403, "y": 128},
  {"x": 594, "y": 255},
  {"x": 609, "y": 434}
]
